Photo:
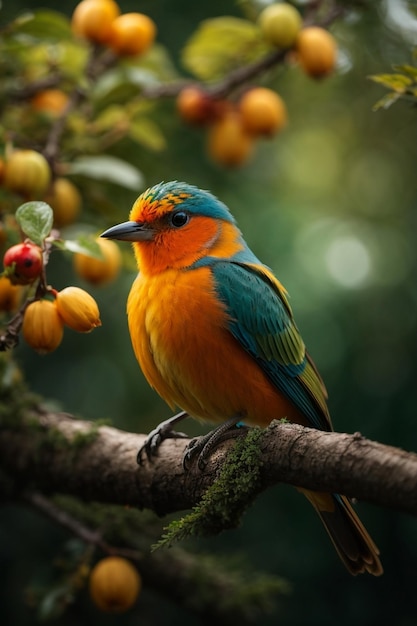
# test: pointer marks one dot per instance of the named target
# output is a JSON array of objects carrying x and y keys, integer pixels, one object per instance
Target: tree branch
[{"x": 55, "y": 453}]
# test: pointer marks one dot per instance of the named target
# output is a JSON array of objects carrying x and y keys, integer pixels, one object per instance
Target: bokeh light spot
[{"x": 348, "y": 261}]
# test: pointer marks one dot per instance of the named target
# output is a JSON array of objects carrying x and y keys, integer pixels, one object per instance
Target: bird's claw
[
  {"x": 163, "y": 431},
  {"x": 195, "y": 451},
  {"x": 199, "y": 449}
]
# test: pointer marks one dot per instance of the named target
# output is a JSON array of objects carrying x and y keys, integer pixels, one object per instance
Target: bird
[{"x": 215, "y": 336}]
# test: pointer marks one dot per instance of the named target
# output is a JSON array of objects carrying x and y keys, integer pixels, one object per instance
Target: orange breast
[{"x": 180, "y": 338}]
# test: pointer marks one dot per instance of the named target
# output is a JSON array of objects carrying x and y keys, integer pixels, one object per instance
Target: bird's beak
[{"x": 129, "y": 231}]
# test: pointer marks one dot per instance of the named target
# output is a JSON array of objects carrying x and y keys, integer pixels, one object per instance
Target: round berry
[
  {"x": 65, "y": 200},
  {"x": 316, "y": 51},
  {"x": 196, "y": 106},
  {"x": 23, "y": 262},
  {"x": 132, "y": 34},
  {"x": 114, "y": 584},
  {"x": 263, "y": 111},
  {"x": 27, "y": 172},
  {"x": 228, "y": 142},
  {"x": 92, "y": 19},
  {"x": 99, "y": 271},
  {"x": 280, "y": 24}
]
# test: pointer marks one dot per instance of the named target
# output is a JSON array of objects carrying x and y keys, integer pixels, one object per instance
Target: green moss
[{"x": 224, "y": 503}]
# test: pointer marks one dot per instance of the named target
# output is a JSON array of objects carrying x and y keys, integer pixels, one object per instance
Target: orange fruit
[
  {"x": 50, "y": 101},
  {"x": 9, "y": 295},
  {"x": 195, "y": 106},
  {"x": 99, "y": 271},
  {"x": 42, "y": 327},
  {"x": 263, "y": 111},
  {"x": 316, "y": 51},
  {"x": 228, "y": 142},
  {"x": 77, "y": 309},
  {"x": 65, "y": 200},
  {"x": 92, "y": 19},
  {"x": 114, "y": 584},
  {"x": 131, "y": 34}
]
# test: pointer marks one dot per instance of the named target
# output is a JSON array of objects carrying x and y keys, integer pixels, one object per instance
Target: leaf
[
  {"x": 220, "y": 44},
  {"x": 54, "y": 602},
  {"x": 386, "y": 101},
  {"x": 147, "y": 133},
  {"x": 123, "y": 80},
  {"x": 84, "y": 244},
  {"x": 395, "y": 82},
  {"x": 410, "y": 70},
  {"x": 35, "y": 219},
  {"x": 110, "y": 169},
  {"x": 43, "y": 25}
]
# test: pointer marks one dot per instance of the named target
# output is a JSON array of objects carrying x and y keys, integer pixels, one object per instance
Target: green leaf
[
  {"x": 145, "y": 132},
  {"x": 386, "y": 101},
  {"x": 43, "y": 25},
  {"x": 35, "y": 219},
  {"x": 84, "y": 244},
  {"x": 110, "y": 169},
  {"x": 395, "y": 82},
  {"x": 126, "y": 81},
  {"x": 410, "y": 70},
  {"x": 221, "y": 44}
]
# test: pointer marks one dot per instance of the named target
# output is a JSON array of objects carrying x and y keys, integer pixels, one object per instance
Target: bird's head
[{"x": 173, "y": 225}]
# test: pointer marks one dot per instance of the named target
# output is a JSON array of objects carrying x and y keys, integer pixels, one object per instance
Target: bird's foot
[
  {"x": 200, "y": 448},
  {"x": 164, "y": 430}
]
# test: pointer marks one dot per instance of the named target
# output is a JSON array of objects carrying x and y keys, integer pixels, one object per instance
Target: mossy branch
[{"x": 58, "y": 454}]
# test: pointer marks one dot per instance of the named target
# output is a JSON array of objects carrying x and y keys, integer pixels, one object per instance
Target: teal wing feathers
[{"x": 260, "y": 318}]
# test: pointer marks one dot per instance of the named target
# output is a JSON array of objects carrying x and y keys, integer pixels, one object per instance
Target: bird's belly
[{"x": 180, "y": 337}]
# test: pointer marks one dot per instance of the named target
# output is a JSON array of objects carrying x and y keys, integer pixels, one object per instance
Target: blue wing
[{"x": 262, "y": 321}]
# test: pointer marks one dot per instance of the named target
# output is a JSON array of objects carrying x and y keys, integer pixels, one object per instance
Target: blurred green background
[{"x": 331, "y": 206}]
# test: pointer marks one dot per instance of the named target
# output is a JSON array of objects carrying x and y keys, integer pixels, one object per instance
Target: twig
[{"x": 77, "y": 528}]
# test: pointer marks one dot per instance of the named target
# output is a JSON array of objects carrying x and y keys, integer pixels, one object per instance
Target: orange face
[
  {"x": 173, "y": 244},
  {"x": 149, "y": 207}
]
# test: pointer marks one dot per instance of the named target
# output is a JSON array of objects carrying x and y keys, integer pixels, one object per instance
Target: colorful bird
[{"x": 214, "y": 334}]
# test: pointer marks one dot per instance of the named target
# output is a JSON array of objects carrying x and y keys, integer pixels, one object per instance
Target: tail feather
[{"x": 352, "y": 541}]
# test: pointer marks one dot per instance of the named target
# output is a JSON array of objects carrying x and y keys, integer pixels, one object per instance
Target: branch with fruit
[{"x": 61, "y": 115}]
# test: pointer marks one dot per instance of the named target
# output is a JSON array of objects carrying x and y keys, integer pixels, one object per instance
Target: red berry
[{"x": 25, "y": 262}]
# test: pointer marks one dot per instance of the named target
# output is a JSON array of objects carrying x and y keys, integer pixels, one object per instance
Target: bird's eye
[{"x": 179, "y": 218}]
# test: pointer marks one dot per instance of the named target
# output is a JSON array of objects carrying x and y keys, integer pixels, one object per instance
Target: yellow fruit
[
  {"x": 9, "y": 295},
  {"x": 316, "y": 51},
  {"x": 27, "y": 172},
  {"x": 50, "y": 101},
  {"x": 114, "y": 584},
  {"x": 263, "y": 111},
  {"x": 99, "y": 271},
  {"x": 92, "y": 19},
  {"x": 77, "y": 309},
  {"x": 228, "y": 142},
  {"x": 280, "y": 24},
  {"x": 65, "y": 200},
  {"x": 131, "y": 34},
  {"x": 42, "y": 327}
]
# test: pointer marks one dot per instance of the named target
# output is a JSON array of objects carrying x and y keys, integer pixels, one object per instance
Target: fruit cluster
[
  {"x": 101, "y": 22},
  {"x": 44, "y": 317},
  {"x": 259, "y": 111},
  {"x": 44, "y": 311}
]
